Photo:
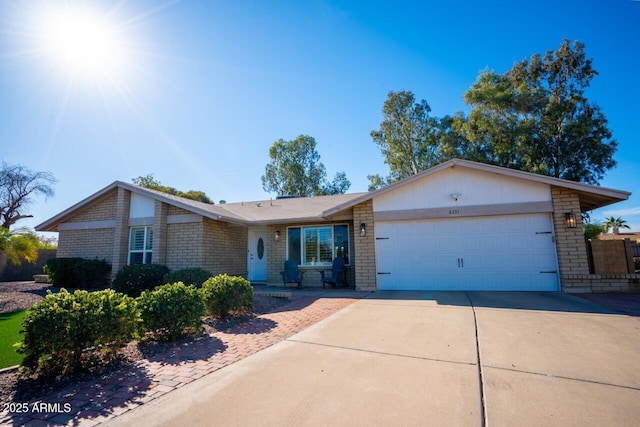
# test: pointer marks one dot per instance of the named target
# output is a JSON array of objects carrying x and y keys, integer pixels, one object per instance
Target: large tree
[
  {"x": 295, "y": 170},
  {"x": 18, "y": 186},
  {"x": 148, "y": 181},
  {"x": 406, "y": 137},
  {"x": 536, "y": 117}
]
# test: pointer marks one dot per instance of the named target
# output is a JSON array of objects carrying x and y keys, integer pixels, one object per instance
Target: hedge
[
  {"x": 223, "y": 294},
  {"x": 134, "y": 279},
  {"x": 78, "y": 273},
  {"x": 62, "y": 331},
  {"x": 190, "y": 276},
  {"x": 171, "y": 310}
]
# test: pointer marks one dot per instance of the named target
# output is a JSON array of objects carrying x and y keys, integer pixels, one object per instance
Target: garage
[{"x": 502, "y": 253}]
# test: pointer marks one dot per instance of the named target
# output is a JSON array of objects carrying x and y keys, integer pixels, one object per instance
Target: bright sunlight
[{"x": 82, "y": 42}]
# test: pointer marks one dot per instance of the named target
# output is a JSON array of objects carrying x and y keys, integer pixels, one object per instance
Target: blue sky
[{"x": 204, "y": 88}]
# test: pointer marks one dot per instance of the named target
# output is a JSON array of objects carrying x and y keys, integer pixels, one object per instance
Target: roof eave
[
  {"x": 52, "y": 223},
  {"x": 608, "y": 195}
]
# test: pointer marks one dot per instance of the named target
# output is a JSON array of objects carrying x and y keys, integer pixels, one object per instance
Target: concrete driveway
[{"x": 429, "y": 358}]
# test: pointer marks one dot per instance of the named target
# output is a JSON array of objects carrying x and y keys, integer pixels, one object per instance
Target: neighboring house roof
[{"x": 322, "y": 208}]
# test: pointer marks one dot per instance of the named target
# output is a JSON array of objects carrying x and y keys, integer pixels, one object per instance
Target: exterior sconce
[
  {"x": 363, "y": 230},
  {"x": 570, "y": 220},
  {"x": 276, "y": 235}
]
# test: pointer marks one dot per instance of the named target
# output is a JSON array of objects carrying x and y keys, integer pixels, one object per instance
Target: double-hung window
[
  {"x": 318, "y": 245},
  {"x": 140, "y": 245}
]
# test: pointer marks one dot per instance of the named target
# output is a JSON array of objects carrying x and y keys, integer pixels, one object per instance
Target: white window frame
[
  {"x": 147, "y": 249},
  {"x": 333, "y": 247}
]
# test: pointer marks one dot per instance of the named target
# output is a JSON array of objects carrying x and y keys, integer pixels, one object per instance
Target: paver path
[{"x": 90, "y": 403}]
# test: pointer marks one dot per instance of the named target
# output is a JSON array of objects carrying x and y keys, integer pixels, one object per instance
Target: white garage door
[{"x": 509, "y": 253}]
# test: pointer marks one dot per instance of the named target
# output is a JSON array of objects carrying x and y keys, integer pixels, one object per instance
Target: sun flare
[{"x": 83, "y": 43}]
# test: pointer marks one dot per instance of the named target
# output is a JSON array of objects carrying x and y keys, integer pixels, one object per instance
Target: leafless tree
[{"x": 18, "y": 185}]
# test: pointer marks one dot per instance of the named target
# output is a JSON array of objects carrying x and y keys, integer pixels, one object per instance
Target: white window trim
[
  {"x": 333, "y": 255},
  {"x": 144, "y": 251}
]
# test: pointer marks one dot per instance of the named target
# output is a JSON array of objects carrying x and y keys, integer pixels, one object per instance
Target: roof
[
  {"x": 287, "y": 210},
  {"x": 591, "y": 196},
  {"x": 323, "y": 208},
  {"x": 300, "y": 209}
]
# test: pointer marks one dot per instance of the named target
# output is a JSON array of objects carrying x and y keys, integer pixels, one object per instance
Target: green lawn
[{"x": 9, "y": 335}]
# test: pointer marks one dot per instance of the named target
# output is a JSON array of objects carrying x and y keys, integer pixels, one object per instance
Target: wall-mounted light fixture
[
  {"x": 455, "y": 196},
  {"x": 570, "y": 220},
  {"x": 363, "y": 230},
  {"x": 276, "y": 235}
]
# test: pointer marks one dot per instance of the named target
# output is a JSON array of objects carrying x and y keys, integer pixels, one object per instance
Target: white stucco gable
[
  {"x": 141, "y": 206},
  {"x": 459, "y": 187}
]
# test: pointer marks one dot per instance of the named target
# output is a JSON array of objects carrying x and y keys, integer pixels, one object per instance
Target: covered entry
[{"x": 502, "y": 252}]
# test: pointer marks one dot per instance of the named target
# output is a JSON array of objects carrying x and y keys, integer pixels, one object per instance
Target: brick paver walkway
[{"x": 90, "y": 403}]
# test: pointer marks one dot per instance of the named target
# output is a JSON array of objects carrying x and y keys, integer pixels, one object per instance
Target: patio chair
[
  {"x": 291, "y": 273},
  {"x": 338, "y": 273}
]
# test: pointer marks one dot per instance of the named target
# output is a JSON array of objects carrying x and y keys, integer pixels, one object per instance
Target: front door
[{"x": 257, "y": 256}]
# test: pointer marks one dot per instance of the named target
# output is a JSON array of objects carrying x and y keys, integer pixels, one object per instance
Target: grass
[{"x": 9, "y": 335}]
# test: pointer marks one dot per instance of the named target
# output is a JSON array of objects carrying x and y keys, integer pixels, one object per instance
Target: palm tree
[
  {"x": 20, "y": 244},
  {"x": 616, "y": 224}
]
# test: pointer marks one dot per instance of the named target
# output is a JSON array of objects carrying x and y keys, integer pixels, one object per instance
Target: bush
[
  {"x": 223, "y": 294},
  {"x": 78, "y": 273},
  {"x": 171, "y": 310},
  {"x": 134, "y": 279},
  {"x": 62, "y": 331},
  {"x": 190, "y": 276}
]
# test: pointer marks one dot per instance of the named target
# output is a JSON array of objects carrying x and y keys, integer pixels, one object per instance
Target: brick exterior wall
[
  {"x": 120, "y": 244},
  {"x": 224, "y": 248},
  {"x": 572, "y": 252},
  {"x": 365, "y": 247},
  {"x": 100, "y": 210},
  {"x": 276, "y": 254},
  {"x": 184, "y": 245},
  {"x": 96, "y": 243},
  {"x": 216, "y": 246},
  {"x": 159, "y": 254},
  {"x": 587, "y": 283},
  {"x": 570, "y": 245},
  {"x": 90, "y": 243}
]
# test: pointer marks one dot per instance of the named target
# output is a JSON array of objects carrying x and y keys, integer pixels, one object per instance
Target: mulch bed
[{"x": 15, "y": 296}]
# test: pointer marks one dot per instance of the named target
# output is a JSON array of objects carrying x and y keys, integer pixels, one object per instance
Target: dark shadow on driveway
[
  {"x": 202, "y": 347},
  {"x": 85, "y": 400},
  {"x": 542, "y": 301},
  {"x": 242, "y": 325}
]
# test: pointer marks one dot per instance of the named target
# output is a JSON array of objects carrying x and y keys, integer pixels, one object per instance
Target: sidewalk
[{"x": 91, "y": 403}]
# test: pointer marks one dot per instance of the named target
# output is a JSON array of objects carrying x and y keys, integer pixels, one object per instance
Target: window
[
  {"x": 318, "y": 245},
  {"x": 140, "y": 242}
]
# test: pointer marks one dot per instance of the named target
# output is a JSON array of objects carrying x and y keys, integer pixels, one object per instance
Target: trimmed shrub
[
  {"x": 78, "y": 273},
  {"x": 94, "y": 273},
  {"x": 171, "y": 310},
  {"x": 191, "y": 276},
  {"x": 64, "y": 330},
  {"x": 134, "y": 279},
  {"x": 223, "y": 294}
]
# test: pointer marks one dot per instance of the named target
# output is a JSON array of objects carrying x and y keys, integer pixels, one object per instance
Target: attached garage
[
  {"x": 459, "y": 228},
  {"x": 503, "y": 252}
]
